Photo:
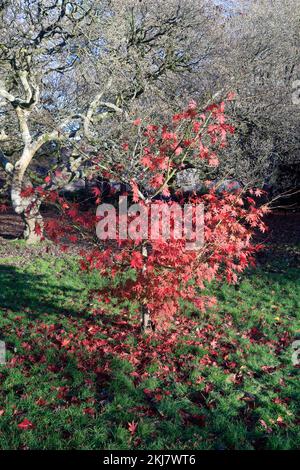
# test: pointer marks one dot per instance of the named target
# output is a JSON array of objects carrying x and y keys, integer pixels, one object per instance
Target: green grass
[{"x": 249, "y": 398}]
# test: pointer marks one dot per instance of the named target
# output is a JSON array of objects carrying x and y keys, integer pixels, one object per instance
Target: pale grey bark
[{"x": 28, "y": 207}]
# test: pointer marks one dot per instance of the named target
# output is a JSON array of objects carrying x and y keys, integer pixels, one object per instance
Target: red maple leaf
[
  {"x": 132, "y": 427},
  {"x": 26, "y": 192},
  {"x": 258, "y": 192},
  {"x": 38, "y": 229},
  {"x": 25, "y": 424},
  {"x": 136, "y": 260}
]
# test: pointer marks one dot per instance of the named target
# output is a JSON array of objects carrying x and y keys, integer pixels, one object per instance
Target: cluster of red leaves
[
  {"x": 171, "y": 273},
  {"x": 193, "y": 136}
]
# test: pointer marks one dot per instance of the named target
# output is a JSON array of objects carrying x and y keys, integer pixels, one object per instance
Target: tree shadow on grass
[{"x": 35, "y": 294}]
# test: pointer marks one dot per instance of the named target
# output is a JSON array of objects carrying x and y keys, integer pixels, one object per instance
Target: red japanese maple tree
[{"x": 160, "y": 273}]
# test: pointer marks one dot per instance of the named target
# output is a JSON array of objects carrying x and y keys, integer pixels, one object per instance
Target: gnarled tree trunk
[{"x": 28, "y": 207}]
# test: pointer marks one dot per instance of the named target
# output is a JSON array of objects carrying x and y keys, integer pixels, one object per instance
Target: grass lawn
[{"x": 239, "y": 388}]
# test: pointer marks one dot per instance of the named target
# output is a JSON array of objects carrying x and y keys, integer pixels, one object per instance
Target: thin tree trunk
[
  {"x": 146, "y": 323},
  {"x": 146, "y": 320}
]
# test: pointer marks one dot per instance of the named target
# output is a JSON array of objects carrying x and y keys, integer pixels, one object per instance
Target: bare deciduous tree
[
  {"x": 82, "y": 69},
  {"x": 260, "y": 60}
]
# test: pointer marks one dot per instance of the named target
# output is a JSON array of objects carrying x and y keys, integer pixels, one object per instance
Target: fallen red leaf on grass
[
  {"x": 89, "y": 411},
  {"x": 132, "y": 427},
  {"x": 25, "y": 424}
]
